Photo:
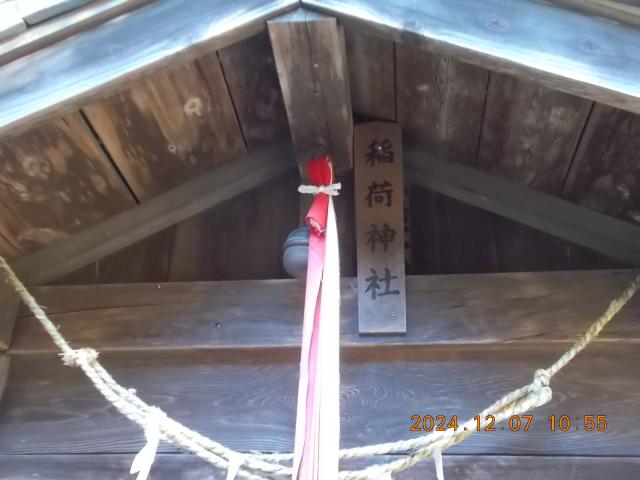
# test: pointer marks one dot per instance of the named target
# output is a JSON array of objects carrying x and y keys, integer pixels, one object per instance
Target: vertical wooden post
[
  {"x": 5, "y": 360},
  {"x": 9, "y": 303},
  {"x": 379, "y": 198},
  {"x": 310, "y": 57}
]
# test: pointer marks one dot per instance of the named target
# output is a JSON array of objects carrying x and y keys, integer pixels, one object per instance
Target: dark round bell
[{"x": 295, "y": 252}]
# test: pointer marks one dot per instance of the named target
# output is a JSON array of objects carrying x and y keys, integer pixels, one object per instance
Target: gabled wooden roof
[{"x": 125, "y": 111}]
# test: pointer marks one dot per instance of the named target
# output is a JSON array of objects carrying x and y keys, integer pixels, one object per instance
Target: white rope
[
  {"x": 331, "y": 190},
  {"x": 253, "y": 467}
]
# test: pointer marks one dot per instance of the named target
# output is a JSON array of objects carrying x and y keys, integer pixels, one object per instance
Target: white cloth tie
[
  {"x": 437, "y": 459},
  {"x": 145, "y": 457},
  {"x": 235, "y": 462},
  {"x": 332, "y": 190}
]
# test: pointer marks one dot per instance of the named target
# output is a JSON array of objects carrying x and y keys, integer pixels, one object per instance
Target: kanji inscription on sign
[{"x": 380, "y": 228}]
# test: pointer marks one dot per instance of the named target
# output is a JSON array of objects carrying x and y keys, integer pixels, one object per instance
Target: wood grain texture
[
  {"x": 55, "y": 181},
  {"x": 5, "y": 363},
  {"x": 188, "y": 467},
  {"x": 311, "y": 61},
  {"x": 440, "y": 103},
  {"x": 530, "y": 133},
  {"x": 250, "y": 72},
  {"x": 380, "y": 229},
  {"x": 553, "y": 215},
  {"x": 9, "y": 303},
  {"x": 448, "y": 236},
  {"x": 239, "y": 239},
  {"x": 371, "y": 76},
  {"x": 488, "y": 309},
  {"x": 7, "y": 249},
  {"x": 605, "y": 175},
  {"x": 155, "y": 215},
  {"x": 169, "y": 128},
  {"x": 144, "y": 261},
  {"x": 585, "y": 55},
  {"x": 524, "y": 249},
  {"x": 64, "y": 26},
  {"x": 246, "y": 399},
  {"x": 72, "y": 72}
]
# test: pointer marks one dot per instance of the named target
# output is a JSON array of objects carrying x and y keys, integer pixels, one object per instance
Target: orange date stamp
[{"x": 515, "y": 423}]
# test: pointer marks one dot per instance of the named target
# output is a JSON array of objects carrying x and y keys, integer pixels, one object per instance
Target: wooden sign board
[{"x": 379, "y": 195}]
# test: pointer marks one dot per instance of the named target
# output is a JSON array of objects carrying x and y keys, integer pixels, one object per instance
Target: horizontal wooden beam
[
  {"x": 604, "y": 234},
  {"x": 485, "y": 310},
  {"x": 457, "y": 467},
  {"x": 586, "y": 55},
  {"x": 160, "y": 212},
  {"x": 77, "y": 69},
  {"x": 194, "y": 348},
  {"x": 64, "y": 26},
  {"x": 246, "y": 399}
]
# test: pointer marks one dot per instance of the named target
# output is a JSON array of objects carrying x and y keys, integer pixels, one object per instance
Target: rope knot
[
  {"x": 541, "y": 379},
  {"x": 75, "y": 358},
  {"x": 332, "y": 190}
]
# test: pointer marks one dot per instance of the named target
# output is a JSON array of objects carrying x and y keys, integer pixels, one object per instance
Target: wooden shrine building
[{"x": 150, "y": 158}]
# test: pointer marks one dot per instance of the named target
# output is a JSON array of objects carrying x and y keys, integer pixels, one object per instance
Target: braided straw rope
[{"x": 266, "y": 466}]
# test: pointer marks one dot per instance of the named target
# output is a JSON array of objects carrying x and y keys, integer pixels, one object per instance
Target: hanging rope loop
[{"x": 266, "y": 466}]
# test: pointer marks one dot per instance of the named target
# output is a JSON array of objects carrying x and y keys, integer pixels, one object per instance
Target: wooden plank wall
[
  {"x": 553, "y": 141},
  {"x": 219, "y": 244},
  {"x": 73, "y": 171},
  {"x": 162, "y": 131},
  {"x": 211, "y": 355}
]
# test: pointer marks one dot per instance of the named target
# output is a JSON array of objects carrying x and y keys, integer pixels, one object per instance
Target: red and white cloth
[{"x": 318, "y": 418}]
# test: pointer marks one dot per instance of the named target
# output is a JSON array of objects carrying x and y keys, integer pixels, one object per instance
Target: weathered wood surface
[
  {"x": 71, "y": 72},
  {"x": 525, "y": 308},
  {"x": 165, "y": 210},
  {"x": 588, "y": 56},
  {"x": 239, "y": 239},
  {"x": 563, "y": 219},
  {"x": 380, "y": 228},
  {"x": 372, "y": 71},
  {"x": 246, "y": 399},
  {"x": 9, "y": 304},
  {"x": 5, "y": 363},
  {"x": 626, "y": 11},
  {"x": 310, "y": 55},
  {"x": 188, "y": 467},
  {"x": 37, "y": 11},
  {"x": 530, "y": 133},
  {"x": 605, "y": 175},
  {"x": 169, "y": 128},
  {"x": 440, "y": 103},
  {"x": 144, "y": 261},
  {"x": 250, "y": 71},
  {"x": 8, "y": 250},
  {"x": 64, "y": 26},
  {"x": 448, "y": 236},
  {"x": 11, "y": 22},
  {"x": 55, "y": 181}
]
